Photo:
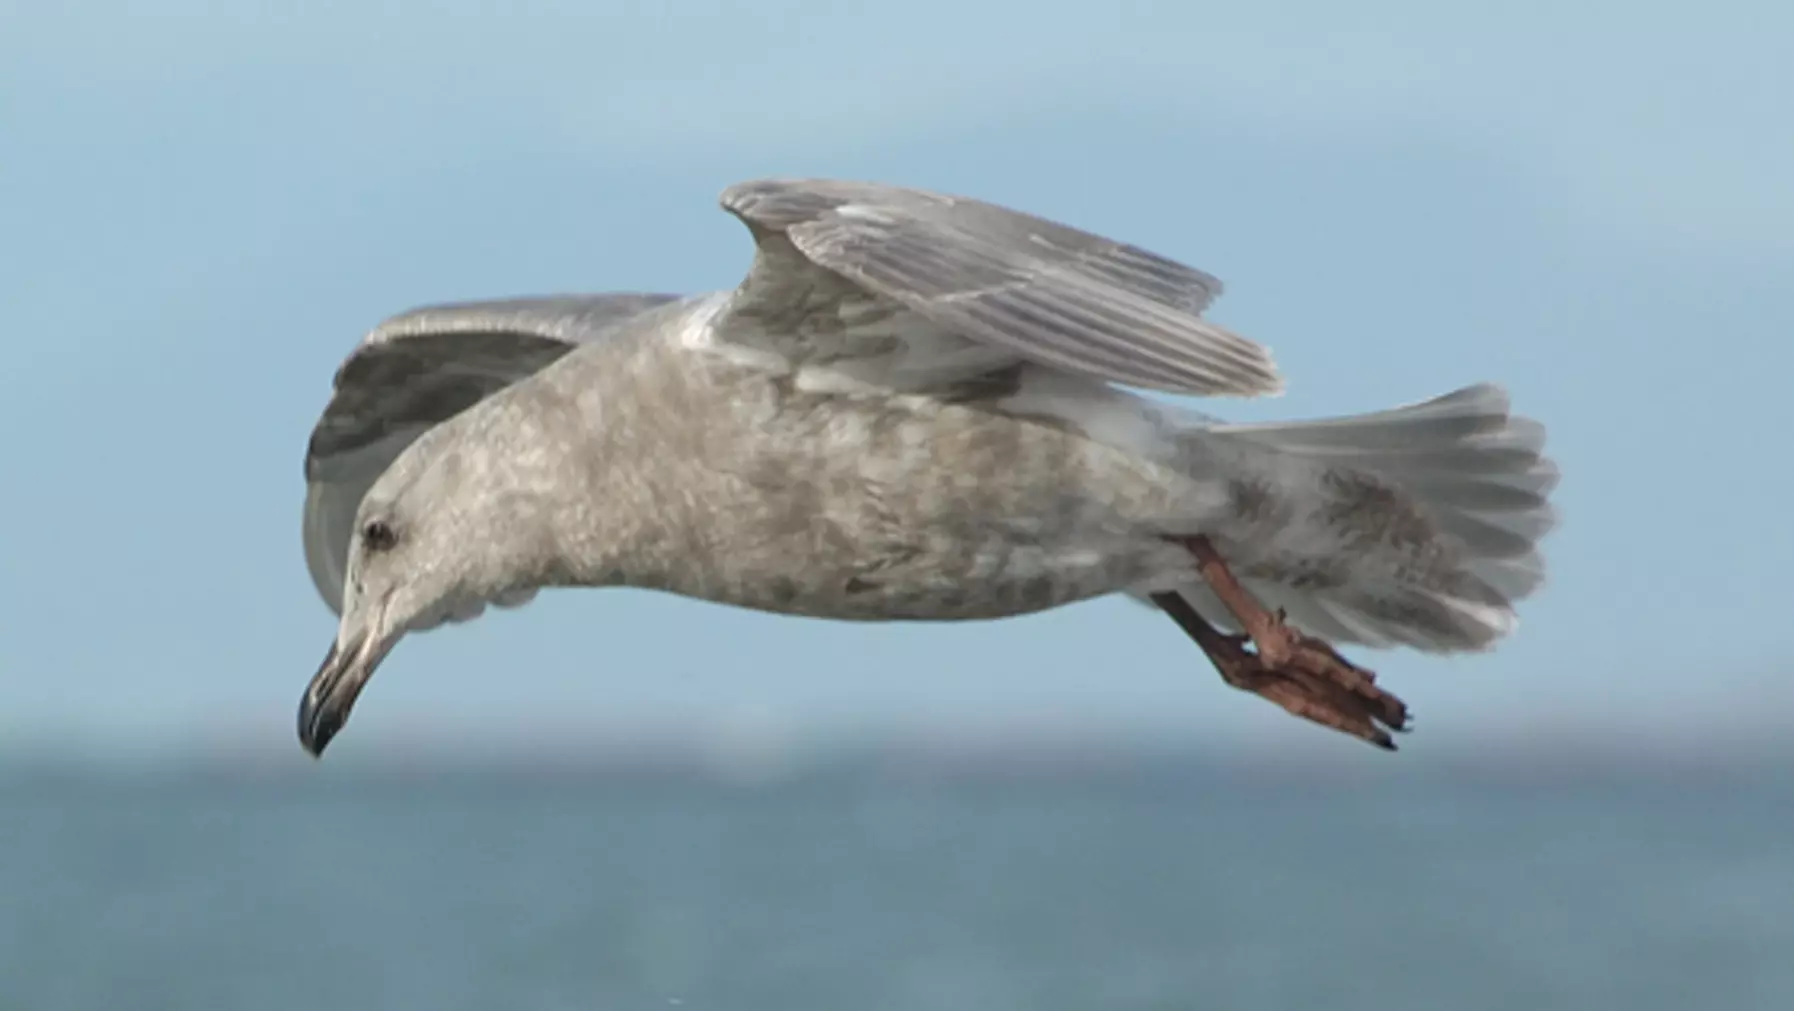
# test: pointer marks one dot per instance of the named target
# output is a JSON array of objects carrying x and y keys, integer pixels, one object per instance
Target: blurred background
[{"x": 627, "y": 800}]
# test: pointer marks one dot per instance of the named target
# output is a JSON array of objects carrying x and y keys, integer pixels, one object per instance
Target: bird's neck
[{"x": 625, "y": 507}]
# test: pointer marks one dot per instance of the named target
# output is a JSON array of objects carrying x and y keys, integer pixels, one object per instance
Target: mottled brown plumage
[{"x": 906, "y": 411}]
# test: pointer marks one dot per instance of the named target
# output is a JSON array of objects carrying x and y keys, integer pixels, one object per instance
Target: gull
[{"x": 914, "y": 407}]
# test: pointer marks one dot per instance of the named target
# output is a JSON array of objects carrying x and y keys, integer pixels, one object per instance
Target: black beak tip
[
  {"x": 322, "y": 709},
  {"x": 318, "y": 723}
]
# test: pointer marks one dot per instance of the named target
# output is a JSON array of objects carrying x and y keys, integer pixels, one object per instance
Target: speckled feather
[{"x": 904, "y": 412}]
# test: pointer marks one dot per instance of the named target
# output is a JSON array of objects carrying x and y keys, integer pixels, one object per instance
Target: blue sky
[{"x": 204, "y": 204}]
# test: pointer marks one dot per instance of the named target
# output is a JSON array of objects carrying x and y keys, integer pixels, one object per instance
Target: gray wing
[
  {"x": 906, "y": 287},
  {"x": 416, "y": 370}
]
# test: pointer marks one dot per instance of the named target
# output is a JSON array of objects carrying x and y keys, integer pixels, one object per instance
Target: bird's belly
[
  {"x": 881, "y": 509},
  {"x": 955, "y": 567},
  {"x": 978, "y": 581}
]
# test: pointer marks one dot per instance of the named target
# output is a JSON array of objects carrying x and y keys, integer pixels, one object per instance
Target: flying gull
[{"x": 914, "y": 407}]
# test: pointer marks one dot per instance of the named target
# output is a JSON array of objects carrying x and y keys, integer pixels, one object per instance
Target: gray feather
[
  {"x": 958, "y": 269},
  {"x": 421, "y": 368},
  {"x": 1478, "y": 474}
]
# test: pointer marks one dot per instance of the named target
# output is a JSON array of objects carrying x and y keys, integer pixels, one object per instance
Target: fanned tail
[{"x": 1474, "y": 469}]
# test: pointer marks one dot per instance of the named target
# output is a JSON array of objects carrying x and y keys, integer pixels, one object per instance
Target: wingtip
[
  {"x": 1252, "y": 366},
  {"x": 1274, "y": 384},
  {"x": 1262, "y": 378}
]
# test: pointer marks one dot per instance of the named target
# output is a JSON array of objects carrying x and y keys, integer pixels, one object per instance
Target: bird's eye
[{"x": 378, "y": 535}]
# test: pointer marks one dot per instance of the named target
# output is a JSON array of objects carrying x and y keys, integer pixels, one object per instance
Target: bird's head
[{"x": 440, "y": 535}]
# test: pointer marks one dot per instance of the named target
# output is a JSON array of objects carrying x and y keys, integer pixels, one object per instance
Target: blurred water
[{"x": 1126, "y": 885}]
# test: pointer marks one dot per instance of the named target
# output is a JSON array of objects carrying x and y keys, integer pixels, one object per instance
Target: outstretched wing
[
  {"x": 416, "y": 370},
  {"x": 910, "y": 289}
]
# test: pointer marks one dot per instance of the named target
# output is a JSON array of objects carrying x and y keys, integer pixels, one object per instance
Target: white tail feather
[{"x": 1476, "y": 470}]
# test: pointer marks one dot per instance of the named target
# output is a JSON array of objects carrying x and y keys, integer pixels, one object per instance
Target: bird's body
[
  {"x": 713, "y": 477},
  {"x": 906, "y": 412}
]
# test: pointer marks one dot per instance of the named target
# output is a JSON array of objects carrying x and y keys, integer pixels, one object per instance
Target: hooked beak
[{"x": 331, "y": 694}]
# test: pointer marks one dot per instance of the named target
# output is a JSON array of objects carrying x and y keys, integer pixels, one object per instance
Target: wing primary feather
[{"x": 1038, "y": 290}]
